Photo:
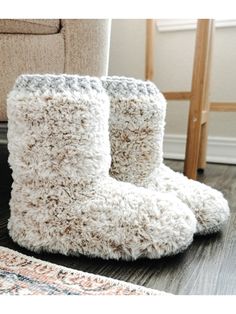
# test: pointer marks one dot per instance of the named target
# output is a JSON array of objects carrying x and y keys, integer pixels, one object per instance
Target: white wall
[{"x": 173, "y": 70}]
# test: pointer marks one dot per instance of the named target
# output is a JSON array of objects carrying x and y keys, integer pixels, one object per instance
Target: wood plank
[
  {"x": 177, "y": 95},
  {"x": 199, "y": 92},
  {"x": 150, "y": 35},
  {"x": 206, "y": 99},
  {"x": 223, "y": 106}
]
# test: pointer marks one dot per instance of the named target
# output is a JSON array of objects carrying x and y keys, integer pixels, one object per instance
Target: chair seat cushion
[{"x": 27, "y": 26}]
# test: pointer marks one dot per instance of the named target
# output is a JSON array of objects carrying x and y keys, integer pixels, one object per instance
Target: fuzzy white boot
[
  {"x": 63, "y": 199},
  {"x": 137, "y": 122}
]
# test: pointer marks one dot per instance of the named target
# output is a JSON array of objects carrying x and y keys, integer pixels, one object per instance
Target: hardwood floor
[{"x": 207, "y": 267}]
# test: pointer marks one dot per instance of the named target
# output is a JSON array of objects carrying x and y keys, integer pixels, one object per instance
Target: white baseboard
[{"x": 220, "y": 149}]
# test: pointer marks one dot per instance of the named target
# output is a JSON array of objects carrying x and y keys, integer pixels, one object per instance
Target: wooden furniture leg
[
  {"x": 204, "y": 127},
  {"x": 196, "y": 146},
  {"x": 199, "y": 101},
  {"x": 150, "y": 32}
]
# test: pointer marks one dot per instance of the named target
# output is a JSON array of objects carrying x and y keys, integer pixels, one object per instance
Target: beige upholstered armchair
[{"x": 51, "y": 46}]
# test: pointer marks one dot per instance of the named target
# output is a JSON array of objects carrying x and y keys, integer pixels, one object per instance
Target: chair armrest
[{"x": 87, "y": 44}]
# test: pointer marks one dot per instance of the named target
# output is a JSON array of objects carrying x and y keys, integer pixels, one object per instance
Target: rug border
[{"x": 122, "y": 283}]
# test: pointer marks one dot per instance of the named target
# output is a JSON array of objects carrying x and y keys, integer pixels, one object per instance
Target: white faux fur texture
[
  {"x": 136, "y": 136},
  {"x": 63, "y": 199},
  {"x": 137, "y": 117}
]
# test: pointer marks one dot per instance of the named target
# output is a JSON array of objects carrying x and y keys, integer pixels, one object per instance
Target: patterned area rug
[{"x": 24, "y": 275}]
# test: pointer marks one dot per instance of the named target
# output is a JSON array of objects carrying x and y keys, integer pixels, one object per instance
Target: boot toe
[
  {"x": 209, "y": 206},
  {"x": 176, "y": 225}
]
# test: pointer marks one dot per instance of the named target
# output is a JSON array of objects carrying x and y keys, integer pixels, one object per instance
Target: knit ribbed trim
[
  {"x": 57, "y": 83},
  {"x": 123, "y": 87}
]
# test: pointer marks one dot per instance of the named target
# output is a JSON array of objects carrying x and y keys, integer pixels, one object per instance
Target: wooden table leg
[
  {"x": 206, "y": 105},
  {"x": 150, "y": 35},
  {"x": 199, "y": 99}
]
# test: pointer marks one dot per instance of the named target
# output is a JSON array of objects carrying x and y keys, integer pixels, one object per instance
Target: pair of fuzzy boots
[{"x": 63, "y": 198}]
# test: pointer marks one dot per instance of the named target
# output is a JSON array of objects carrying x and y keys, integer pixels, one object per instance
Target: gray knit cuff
[
  {"x": 57, "y": 83},
  {"x": 125, "y": 87}
]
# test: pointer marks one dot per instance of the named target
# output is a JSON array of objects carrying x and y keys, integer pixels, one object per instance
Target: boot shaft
[
  {"x": 58, "y": 125},
  {"x": 137, "y": 119}
]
